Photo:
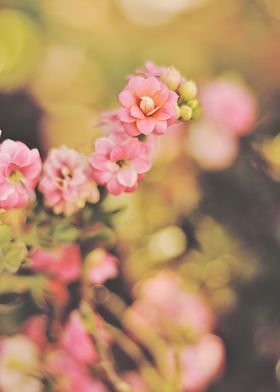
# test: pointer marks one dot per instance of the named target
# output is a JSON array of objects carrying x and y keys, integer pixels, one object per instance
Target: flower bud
[
  {"x": 188, "y": 90},
  {"x": 171, "y": 77},
  {"x": 186, "y": 112}
]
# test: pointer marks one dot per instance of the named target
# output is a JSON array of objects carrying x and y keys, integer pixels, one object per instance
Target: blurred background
[{"x": 63, "y": 61}]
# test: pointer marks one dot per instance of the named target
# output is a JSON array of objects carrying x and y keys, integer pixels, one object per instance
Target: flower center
[
  {"x": 147, "y": 105},
  {"x": 16, "y": 176},
  {"x": 122, "y": 163}
]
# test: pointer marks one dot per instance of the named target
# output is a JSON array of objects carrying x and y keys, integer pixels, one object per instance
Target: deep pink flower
[
  {"x": 231, "y": 105},
  {"x": 66, "y": 182},
  {"x": 119, "y": 166},
  {"x": 20, "y": 168},
  {"x": 148, "y": 106},
  {"x": 101, "y": 266},
  {"x": 77, "y": 341},
  {"x": 35, "y": 329},
  {"x": 63, "y": 262}
]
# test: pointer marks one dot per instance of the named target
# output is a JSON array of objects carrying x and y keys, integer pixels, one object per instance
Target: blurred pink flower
[
  {"x": 164, "y": 305},
  {"x": 76, "y": 341},
  {"x": 231, "y": 105},
  {"x": 101, "y": 266},
  {"x": 119, "y": 166},
  {"x": 66, "y": 182},
  {"x": 35, "y": 329},
  {"x": 211, "y": 146},
  {"x": 71, "y": 375},
  {"x": 148, "y": 106},
  {"x": 20, "y": 168},
  {"x": 149, "y": 69},
  {"x": 63, "y": 262},
  {"x": 19, "y": 362},
  {"x": 202, "y": 363},
  {"x": 110, "y": 122}
]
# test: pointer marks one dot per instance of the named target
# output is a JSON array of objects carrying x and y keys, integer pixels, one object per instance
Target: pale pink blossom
[
  {"x": 231, "y": 105},
  {"x": 20, "y": 168},
  {"x": 76, "y": 341},
  {"x": 19, "y": 361},
  {"x": 148, "y": 106},
  {"x": 110, "y": 122},
  {"x": 168, "y": 75},
  {"x": 119, "y": 166},
  {"x": 202, "y": 363},
  {"x": 163, "y": 304},
  {"x": 63, "y": 262},
  {"x": 211, "y": 146},
  {"x": 149, "y": 69},
  {"x": 71, "y": 375},
  {"x": 101, "y": 266},
  {"x": 66, "y": 182}
]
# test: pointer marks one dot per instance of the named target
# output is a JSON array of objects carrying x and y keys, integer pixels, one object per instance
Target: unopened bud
[
  {"x": 171, "y": 77},
  {"x": 188, "y": 90},
  {"x": 186, "y": 112}
]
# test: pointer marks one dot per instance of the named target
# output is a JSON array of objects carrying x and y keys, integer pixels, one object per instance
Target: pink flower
[
  {"x": 231, "y": 105},
  {"x": 76, "y": 341},
  {"x": 211, "y": 146},
  {"x": 71, "y": 375},
  {"x": 64, "y": 262},
  {"x": 20, "y": 168},
  {"x": 165, "y": 306},
  {"x": 148, "y": 106},
  {"x": 66, "y": 182},
  {"x": 101, "y": 266},
  {"x": 202, "y": 363},
  {"x": 119, "y": 166},
  {"x": 110, "y": 122},
  {"x": 35, "y": 329}
]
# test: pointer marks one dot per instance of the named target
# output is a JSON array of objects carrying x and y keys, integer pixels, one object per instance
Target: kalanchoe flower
[
  {"x": 229, "y": 104},
  {"x": 148, "y": 106},
  {"x": 20, "y": 168},
  {"x": 19, "y": 365},
  {"x": 63, "y": 263},
  {"x": 101, "y": 266},
  {"x": 119, "y": 166},
  {"x": 66, "y": 182},
  {"x": 110, "y": 122}
]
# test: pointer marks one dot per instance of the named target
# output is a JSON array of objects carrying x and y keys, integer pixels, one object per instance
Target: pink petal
[
  {"x": 118, "y": 154},
  {"x": 102, "y": 177},
  {"x": 152, "y": 84},
  {"x": 127, "y": 176},
  {"x": 141, "y": 164},
  {"x": 103, "y": 145},
  {"x": 135, "y": 111},
  {"x": 98, "y": 161},
  {"x": 115, "y": 187},
  {"x": 160, "y": 127},
  {"x": 127, "y": 99},
  {"x": 147, "y": 125},
  {"x": 125, "y": 116},
  {"x": 132, "y": 149},
  {"x": 131, "y": 129}
]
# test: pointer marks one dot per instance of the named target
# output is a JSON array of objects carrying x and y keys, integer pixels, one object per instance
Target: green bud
[
  {"x": 186, "y": 112},
  {"x": 5, "y": 234},
  {"x": 14, "y": 255},
  {"x": 188, "y": 90}
]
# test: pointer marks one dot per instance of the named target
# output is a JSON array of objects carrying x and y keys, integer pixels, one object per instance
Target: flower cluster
[{"x": 229, "y": 112}]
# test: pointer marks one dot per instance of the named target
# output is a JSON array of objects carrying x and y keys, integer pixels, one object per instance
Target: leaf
[
  {"x": 14, "y": 255},
  {"x": 6, "y": 234}
]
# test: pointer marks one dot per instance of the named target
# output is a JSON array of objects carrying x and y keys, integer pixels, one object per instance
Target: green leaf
[
  {"x": 14, "y": 255},
  {"x": 65, "y": 233},
  {"x": 6, "y": 234}
]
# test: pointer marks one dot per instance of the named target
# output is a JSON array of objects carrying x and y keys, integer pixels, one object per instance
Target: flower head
[
  {"x": 63, "y": 263},
  {"x": 101, "y": 266},
  {"x": 231, "y": 105},
  {"x": 148, "y": 106},
  {"x": 66, "y": 182},
  {"x": 20, "y": 168},
  {"x": 119, "y": 166}
]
